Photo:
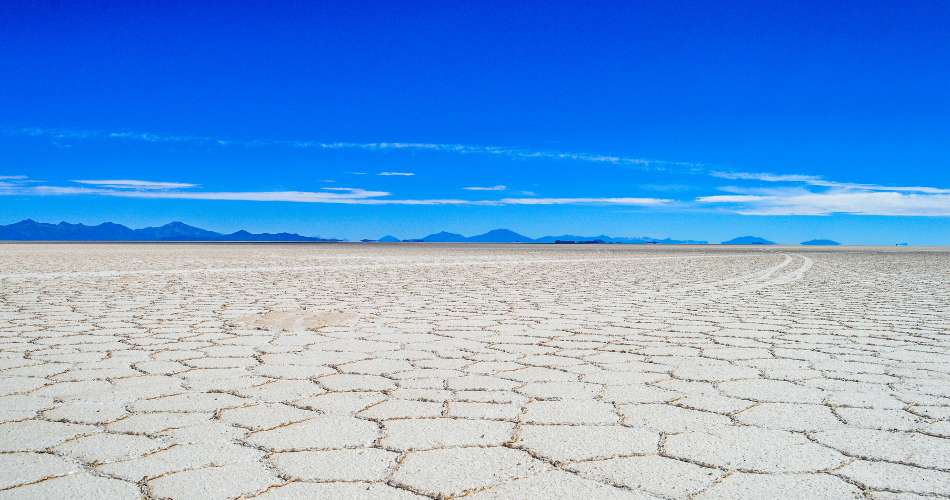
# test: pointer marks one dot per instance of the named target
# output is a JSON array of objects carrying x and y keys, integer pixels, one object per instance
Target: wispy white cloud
[
  {"x": 848, "y": 202},
  {"x": 818, "y": 181},
  {"x": 790, "y": 194},
  {"x": 14, "y": 182},
  {"x": 766, "y": 177},
  {"x": 486, "y": 188},
  {"x": 396, "y": 174},
  {"x": 329, "y": 195},
  {"x": 134, "y": 184},
  {"x": 585, "y": 201},
  {"x": 878, "y": 187},
  {"x": 813, "y": 195},
  {"x": 464, "y": 149}
]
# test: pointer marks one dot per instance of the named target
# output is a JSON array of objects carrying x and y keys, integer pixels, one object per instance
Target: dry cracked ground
[{"x": 411, "y": 371}]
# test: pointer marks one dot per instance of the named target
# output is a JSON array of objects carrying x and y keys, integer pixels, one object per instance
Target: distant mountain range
[
  {"x": 748, "y": 240},
  {"x": 508, "y": 236},
  {"x": 30, "y": 230},
  {"x": 823, "y": 243}
]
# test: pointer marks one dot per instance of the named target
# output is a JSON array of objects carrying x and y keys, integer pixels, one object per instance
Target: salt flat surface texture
[{"x": 410, "y": 371}]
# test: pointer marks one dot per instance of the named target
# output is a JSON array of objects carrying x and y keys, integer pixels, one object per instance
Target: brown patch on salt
[{"x": 297, "y": 321}]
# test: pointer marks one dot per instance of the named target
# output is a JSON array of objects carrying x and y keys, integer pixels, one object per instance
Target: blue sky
[{"x": 669, "y": 119}]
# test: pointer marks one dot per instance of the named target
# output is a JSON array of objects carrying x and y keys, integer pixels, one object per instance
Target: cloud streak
[
  {"x": 135, "y": 184},
  {"x": 818, "y": 181},
  {"x": 64, "y": 135},
  {"x": 789, "y": 194},
  {"x": 585, "y": 201},
  {"x": 813, "y": 195},
  {"x": 328, "y": 195},
  {"x": 14, "y": 182},
  {"x": 130, "y": 188},
  {"x": 847, "y": 202},
  {"x": 762, "y": 176}
]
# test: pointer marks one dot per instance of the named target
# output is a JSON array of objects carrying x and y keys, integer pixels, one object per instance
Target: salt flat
[{"x": 409, "y": 371}]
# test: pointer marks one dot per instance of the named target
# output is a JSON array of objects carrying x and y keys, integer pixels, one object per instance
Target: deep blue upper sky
[{"x": 270, "y": 116}]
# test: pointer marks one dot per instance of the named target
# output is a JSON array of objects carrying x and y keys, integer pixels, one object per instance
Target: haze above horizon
[{"x": 680, "y": 120}]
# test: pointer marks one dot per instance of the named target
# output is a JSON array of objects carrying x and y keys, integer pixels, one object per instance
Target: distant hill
[
  {"x": 443, "y": 237},
  {"x": 31, "y": 230},
  {"x": 493, "y": 236},
  {"x": 748, "y": 240},
  {"x": 667, "y": 241},
  {"x": 823, "y": 243},
  {"x": 500, "y": 236},
  {"x": 509, "y": 236},
  {"x": 637, "y": 240},
  {"x": 572, "y": 237}
]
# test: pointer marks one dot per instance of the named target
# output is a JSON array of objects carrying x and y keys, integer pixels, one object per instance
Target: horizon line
[{"x": 593, "y": 239}]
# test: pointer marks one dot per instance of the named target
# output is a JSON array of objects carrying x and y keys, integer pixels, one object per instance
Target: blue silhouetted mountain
[
  {"x": 243, "y": 235},
  {"x": 576, "y": 238},
  {"x": 748, "y": 240},
  {"x": 31, "y": 230},
  {"x": 508, "y": 236},
  {"x": 668, "y": 241},
  {"x": 443, "y": 237},
  {"x": 175, "y": 231},
  {"x": 499, "y": 236},
  {"x": 823, "y": 243},
  {"x": 636, "y": 240}
]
